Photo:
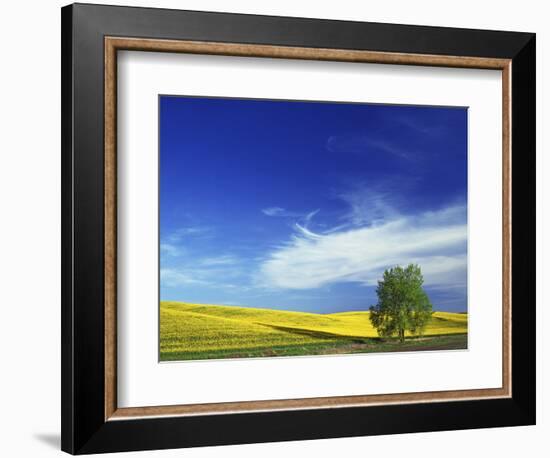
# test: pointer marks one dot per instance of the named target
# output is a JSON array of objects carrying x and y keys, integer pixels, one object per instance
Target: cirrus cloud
[{"x": 435, "y": 240}]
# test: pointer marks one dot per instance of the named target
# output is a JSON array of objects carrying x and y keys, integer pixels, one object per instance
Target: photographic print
[{"x": 299, "y": 228}]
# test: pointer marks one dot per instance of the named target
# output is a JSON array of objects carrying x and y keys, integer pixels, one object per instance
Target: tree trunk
[{"x": 401, "y": 335}]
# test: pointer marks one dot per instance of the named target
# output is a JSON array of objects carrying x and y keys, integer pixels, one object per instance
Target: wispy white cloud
[
  {"x": 274, "y": 211},
  {"x": 309, "y": 216},
  {"x": 223, "y": 260},
  {"x": 173, "y": 243},
  {"x": 222, "y": 272},
  {"x": 283, "y": 212},
  {"x": 169, "y": 249},
  {"x": 304, "y": 218},
  {"x": 363, "y": 143},
  {"x": 171, "y": 277},
  {"x": 435, "y": 240},
  {"x": 188, "y": 231},
  {"x": 422, "y": 127},
  {"x": 303, "y": 230},
  {"x": 368, "y": 206}
]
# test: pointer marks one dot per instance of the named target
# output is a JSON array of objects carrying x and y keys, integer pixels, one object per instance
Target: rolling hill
[{"x": 203, "y": 331}]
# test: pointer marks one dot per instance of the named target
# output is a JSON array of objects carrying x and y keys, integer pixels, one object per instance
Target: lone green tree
[{"x": 403, "y": 305}]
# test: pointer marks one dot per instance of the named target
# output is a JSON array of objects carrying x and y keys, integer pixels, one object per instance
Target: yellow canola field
[{"x": 192, "y": 331}]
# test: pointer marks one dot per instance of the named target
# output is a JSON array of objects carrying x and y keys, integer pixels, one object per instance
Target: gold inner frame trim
[{"x": 112, "y": 45}]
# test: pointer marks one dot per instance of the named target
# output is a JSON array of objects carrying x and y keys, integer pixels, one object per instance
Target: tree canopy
[{"x": 403, "y": 305}]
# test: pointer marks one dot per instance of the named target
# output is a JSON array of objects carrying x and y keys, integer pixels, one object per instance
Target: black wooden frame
[{"x": 84, "y": 429}]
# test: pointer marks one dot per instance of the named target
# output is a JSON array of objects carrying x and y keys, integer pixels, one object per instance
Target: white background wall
[{"x": 30, "y": 227}]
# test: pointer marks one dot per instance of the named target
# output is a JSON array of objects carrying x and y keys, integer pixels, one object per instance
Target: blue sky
[{"x": 302, "y": 205}]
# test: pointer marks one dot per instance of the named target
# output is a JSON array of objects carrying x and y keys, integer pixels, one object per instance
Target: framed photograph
[{"x": 281, "y": 228}]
